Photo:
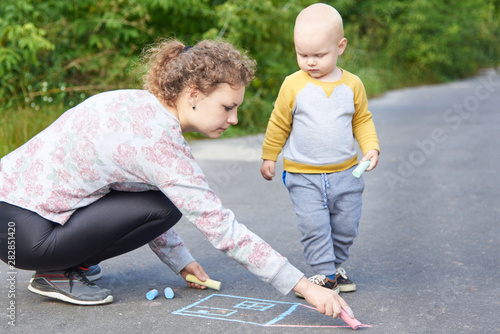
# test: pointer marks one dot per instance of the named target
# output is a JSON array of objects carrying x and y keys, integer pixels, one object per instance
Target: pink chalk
[{"x": 355, "y": 324}]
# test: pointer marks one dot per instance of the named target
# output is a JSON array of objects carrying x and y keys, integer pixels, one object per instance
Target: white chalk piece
[
  {"x": 363, "y": 165},
  {"x": 169, "y": 294},
  {"x": 152, "y": 294},
  {"x": 209, "y": 283}
]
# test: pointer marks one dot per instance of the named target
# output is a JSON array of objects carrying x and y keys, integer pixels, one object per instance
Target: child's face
[{"x": 317, "y": 54}]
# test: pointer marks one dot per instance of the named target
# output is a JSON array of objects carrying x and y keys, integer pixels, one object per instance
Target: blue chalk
[
  {"x": 169, "y": 294},
  {"x": 152, "y": 294}
]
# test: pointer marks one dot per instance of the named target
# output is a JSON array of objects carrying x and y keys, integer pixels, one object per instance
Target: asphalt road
[{"x": 426, "y": 259}]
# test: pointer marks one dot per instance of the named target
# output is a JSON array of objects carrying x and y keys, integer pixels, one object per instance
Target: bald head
[{"x": 319, "y": 18}]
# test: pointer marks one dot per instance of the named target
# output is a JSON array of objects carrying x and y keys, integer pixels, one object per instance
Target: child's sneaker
[
  {"x": 323, "y": 281},
  {"x": 70, "y": 286},
  {"x": 343, "y": 281}
]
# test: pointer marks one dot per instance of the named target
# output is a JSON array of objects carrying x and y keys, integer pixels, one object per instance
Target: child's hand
[
  {"x": 268, "y": 169},
  {"x": 194, "y": 268},
  {"x": 326, "y": 301},
  {"x": 371, "y": 155}
]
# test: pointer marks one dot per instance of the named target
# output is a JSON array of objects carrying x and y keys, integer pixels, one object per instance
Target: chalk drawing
[{"x": 267, "y": 313}]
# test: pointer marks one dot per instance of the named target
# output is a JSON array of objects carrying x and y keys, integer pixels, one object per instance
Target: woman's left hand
[{"x": 194, "y": 268}]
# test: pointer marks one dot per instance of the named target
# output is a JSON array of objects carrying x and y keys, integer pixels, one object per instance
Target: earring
[{"x": 194, "y": 107}]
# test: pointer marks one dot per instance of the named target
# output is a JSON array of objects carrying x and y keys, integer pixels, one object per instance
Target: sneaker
[
  {"x": 93, "y": 273},
  {"x": 70, "y": 286},
  {"x": 323, "y": 281},
  {"x": 343, "y": 281}
]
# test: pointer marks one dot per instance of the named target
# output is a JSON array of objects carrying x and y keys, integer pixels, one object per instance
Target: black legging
[{"x": 115, "y": 224}]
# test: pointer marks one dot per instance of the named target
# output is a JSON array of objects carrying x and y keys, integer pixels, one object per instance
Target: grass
[{"x": 20, "y": 125}]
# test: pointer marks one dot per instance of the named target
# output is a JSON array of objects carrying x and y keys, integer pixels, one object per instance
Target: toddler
[{"x": 319, "y": 112}]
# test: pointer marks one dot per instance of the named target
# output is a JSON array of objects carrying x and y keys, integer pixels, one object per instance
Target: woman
[{"x": 115, "y": 173}]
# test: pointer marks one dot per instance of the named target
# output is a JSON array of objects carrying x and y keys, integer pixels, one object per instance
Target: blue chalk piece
[
  {"x": 363, "y": 165},
  {"x": 152, "y": 294},
  {"x": 169, "y": 294}
]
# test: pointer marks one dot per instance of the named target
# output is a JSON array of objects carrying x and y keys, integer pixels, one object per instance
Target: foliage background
[{"x": 54, "y": 54}]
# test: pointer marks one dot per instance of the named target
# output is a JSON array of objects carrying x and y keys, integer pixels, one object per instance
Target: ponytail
[{"x": 174, "y": 66}]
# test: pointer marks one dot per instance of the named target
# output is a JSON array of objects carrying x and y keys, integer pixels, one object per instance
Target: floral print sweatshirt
[{"x": 127, "y": 140}]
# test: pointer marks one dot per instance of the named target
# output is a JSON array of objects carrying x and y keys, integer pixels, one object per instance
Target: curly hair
[{"x": 173, "y": 67}]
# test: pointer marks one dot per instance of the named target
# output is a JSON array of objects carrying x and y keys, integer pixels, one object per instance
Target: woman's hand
[
  {"x": 326, "y": 301},
  {"x": 194, "y": 268}
]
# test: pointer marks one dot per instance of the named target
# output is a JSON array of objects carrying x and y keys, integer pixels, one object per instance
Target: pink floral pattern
[
  {"x": 126, "y": 140},
  {"x": 245, "y": 241},
  {"x": 227, "y": 244},
  {"x": 125, "y": 155},
  {"x": 84, "y": 154},
  {"x": 33, "y": 146},
  {"x": 59, "y": 155},
  {"x": 260, "y": 254}
]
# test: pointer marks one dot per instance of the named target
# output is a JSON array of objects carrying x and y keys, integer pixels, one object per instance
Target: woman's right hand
[
  {"x": 194, "y": 268},
  {"x": 326, "y": 301}
]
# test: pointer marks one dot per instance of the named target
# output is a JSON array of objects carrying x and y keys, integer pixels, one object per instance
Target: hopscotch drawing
[{"x": 259, "y": 312}]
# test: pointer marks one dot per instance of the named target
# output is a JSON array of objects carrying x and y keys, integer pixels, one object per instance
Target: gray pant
[{"x": 328, "y": 209}]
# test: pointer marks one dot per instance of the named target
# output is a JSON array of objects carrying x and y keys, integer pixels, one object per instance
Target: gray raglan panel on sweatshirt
[{"x": 322, "y": 127}]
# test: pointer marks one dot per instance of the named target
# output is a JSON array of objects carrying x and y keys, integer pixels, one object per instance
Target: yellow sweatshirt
[{"x": 315, "y": 123}]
